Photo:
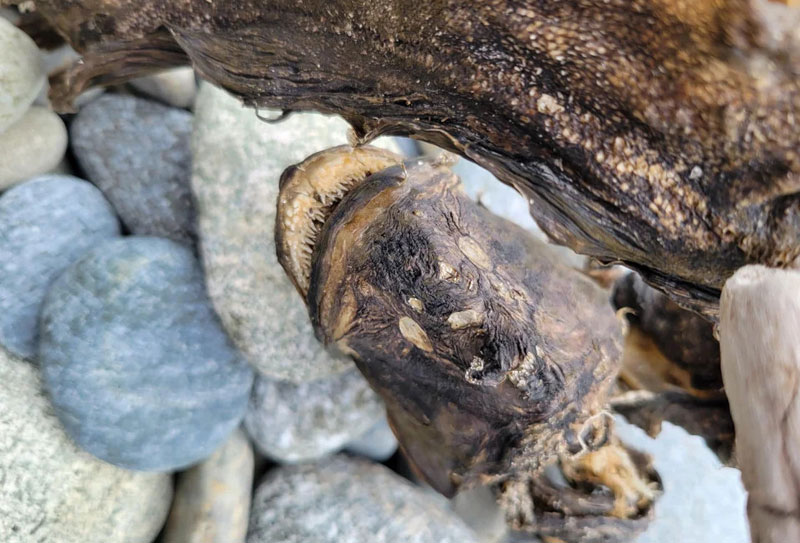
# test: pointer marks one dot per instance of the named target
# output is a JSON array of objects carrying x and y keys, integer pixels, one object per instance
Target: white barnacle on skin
[
  {"x": 519, "y": 375},
  {"x": 474, "y": 368}
]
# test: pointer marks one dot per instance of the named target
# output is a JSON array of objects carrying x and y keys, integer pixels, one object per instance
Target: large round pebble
[
  {"x": 344, "y": 500},
  {"x": 139, "y": 369},
  {"x": 22, "y": 73},
  {"x": 176, "y": 87},
  {"x": 50, "y": 491},
  {"x": 137, "y": 152},
  {"x": 238, "y": 161},
  {"x": 378, "y": 443},
  {"x": 45, "y": 225},
  {"x": 33, "y": 145},
  {"x": 297, "y": 423},
  {"x": 212, "y": 499}
]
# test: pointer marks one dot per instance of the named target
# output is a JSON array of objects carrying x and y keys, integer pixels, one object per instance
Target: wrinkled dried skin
[
  {"x": 671, "y": 368},
  {"x": 685, "y": 338},
  {"x": 660, "y": 133},
  {"x": 492, "y": 357},
  {"x": 573, "y": 500},
  {"x": 709, "y": 418}
]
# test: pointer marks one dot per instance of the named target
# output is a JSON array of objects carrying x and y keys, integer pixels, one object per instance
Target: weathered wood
[
  {"x": 660, "y": 133},
  {"x": 760, "y": 341}
]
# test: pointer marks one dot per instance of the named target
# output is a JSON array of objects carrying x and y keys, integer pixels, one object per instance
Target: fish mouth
[{"x": 310, "y": 192}]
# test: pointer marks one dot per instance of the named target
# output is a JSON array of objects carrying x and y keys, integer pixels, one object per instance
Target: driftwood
[
  {"x": 493, "y": 358},
  {"x": 760, "y": 340},
  {"x": 660, "y": 133}
]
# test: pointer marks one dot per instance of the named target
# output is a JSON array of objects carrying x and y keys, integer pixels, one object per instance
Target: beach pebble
[
  {"x": 139, "y": 370},
  {"x": 22, "y": 73},
  {"x": 378, "y": 443},
  {"x": 45, "y": 225},
  {"x": 347, "y": 500},
  {"x": 137, "y": 152},
  {"x": 238, "y": 161},
  {"x": 212, "y": 499},
  {"x": 33, "y": 145},
  {"x": 175, "y": 87},
  {"x": 50, "y": 491},
  {"x": 300, "y": 422}
]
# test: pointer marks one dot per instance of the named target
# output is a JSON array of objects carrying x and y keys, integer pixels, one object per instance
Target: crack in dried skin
[{"x": 310, "y": 192}]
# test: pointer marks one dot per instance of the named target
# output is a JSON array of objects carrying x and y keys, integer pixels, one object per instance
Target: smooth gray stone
[
  {"x": 212, "y": 499},
  {"x": 297, "y": 423},
  {"x": 346, "y": 500},
  {"x": 238, "y": 161},
  {"x": 45, "y": 225},
  {"x": 140, "y": 372},
  {"x": 378, "y": 443},
  {"x": 51, "y": 491},
  {"x": 137, "y": 152}
]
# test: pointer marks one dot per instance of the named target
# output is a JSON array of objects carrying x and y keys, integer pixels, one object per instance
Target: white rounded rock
[
  {"x": 22, "y": 74},
  {"x": 176, "y": 87},
  {"x": 34, "y": 145},
  {"x": 52, "y": 491}
]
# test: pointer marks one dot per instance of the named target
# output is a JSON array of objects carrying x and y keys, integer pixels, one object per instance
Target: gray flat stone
[
  {"x": 297, "y": 423},
  {"x": 45, "y": 225},
  {"x": 137, "y": 152},
  {"x": 51, "y": 491},
  {"x": 22, "y": 73},
  {"x": 140, "y": 372},
  {"x": 212, "y": 499},
  {"x": 346, "y": 500}
]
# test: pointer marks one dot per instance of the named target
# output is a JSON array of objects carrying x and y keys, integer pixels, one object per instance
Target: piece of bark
[
  {"x": 659, "y": 133},
  {"x": 760, "y": 320}
]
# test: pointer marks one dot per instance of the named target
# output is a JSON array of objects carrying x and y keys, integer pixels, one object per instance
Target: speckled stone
[
  {"x": 238, "y": 160},
  {"x": 45, "y": 225},
  {"x": 137, "y": 152},
  {"x": 33, "y": 145},
  {"x": 52, "y": 492},
  {"x": 176, "y": 87},
  {"x": 345, "y": 500},
  {"x": 22, "y": 73},
  {"x": 378, "y": 443},
  {"x": 212, "y": 499},
  {"x": 140, "y": 372},
  {"x": 297, "y": 423}
]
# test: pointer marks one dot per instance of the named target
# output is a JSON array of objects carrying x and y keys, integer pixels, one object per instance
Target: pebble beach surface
[{"x": 160, "y": 381}]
